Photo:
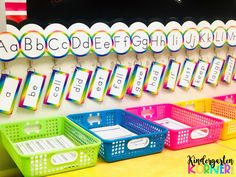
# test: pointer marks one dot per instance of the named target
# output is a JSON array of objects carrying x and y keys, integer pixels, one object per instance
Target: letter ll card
[
  {"x": 154, "y": 78},
  {"x": 99, "y": 83},
  {"x": 32, "y": 90},
  {"x": 171, "y": 75},
  {"x": 79, "y": 85},
  {"x": 56, "y": 88},
  {"x": 136, "y": 83},
  {"x": 9, "y": 88},
  {"x": 119, "y": 81},
  {"x": 215, "y": 71}
]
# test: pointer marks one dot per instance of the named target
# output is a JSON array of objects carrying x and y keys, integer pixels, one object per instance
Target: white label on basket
[
  {"x": 215, "y": 71},
  {"x": 63, "y": 158},
  {"x": 44, "y": 145},
  {"x": 171, "y": 124},
  {"x": 112, "y": 132},
  {"x": 200, "y": 74},
  {"x": 138, "y": 143},
  {"x": 187, "y": 73},
  {"x": 199, "y": 133}
]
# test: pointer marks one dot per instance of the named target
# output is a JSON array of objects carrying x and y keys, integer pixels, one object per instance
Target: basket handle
[
  {"x": 199, "y": 133},
  {"x": 138, "y": 143},
  {"x": 94, "y": 120},
  {"x": 63, "y": 158},
  {"x": 147, "y": 112},
  {"x": 32, "y": 128}
]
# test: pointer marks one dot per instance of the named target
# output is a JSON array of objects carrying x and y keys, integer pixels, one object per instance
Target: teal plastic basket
[{"x": 149, "y": 138}]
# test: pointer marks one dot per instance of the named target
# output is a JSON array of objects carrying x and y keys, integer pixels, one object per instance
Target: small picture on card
[
  {"x": 56, "y": 88},
  {"x": 9, "y": 88},
  {"x": 154, "y": 78},
  {"x": 32, "y": 90},
  {"x": 137, "y": 81},
  {"x": 79, "y": 85},
  {"x": 99, "y": 83},
  {"x": 172, "y": 74},
  {"x": 119, "y": 81},
  {"x": 215, "y": 71}
]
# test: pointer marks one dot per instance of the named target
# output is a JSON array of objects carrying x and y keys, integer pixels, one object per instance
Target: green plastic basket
[{"x": 40, "y": 164}]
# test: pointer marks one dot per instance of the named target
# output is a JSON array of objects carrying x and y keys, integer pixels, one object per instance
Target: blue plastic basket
[{"x": 149, "y": 137}]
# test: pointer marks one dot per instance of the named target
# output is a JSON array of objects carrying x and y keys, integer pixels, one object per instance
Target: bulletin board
[{"x": 46, "y": 63}]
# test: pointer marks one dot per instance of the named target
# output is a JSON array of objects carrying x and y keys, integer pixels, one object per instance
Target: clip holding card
[
  {"x": 56, "y": 66},
  {"x": 137, "y": 60},
  {"x": 5, "y": 70},
  {"x": 31, "y": 68},
  {"x": 78, "y": 63}
]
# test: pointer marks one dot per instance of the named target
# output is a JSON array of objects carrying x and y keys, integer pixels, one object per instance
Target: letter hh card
[
  {"x": 199, "y": 76},
  {"x": 32, "y": 90},
  {"x": 137, "y": 81},
  {"x": 172, "y": 74},
  {"x": 154, "y": 78},
  {"x": 187, "y": 74},
  {"x": 56, "y": 88},
  {"x": 215, "y": 71},
  {"x": 79, "y": 85},
  {"x": 9, "y": 88},
  {"x": 99, "y": 83},
  {"x": 228, "y": 70},
  {"x": 119, "y": 81}
]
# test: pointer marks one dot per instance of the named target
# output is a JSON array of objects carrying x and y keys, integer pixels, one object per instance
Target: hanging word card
[
  {"x": 9, "y": 88},
  {"x": 79, "y": 85},
  {"x": 56, "y": 88},
  {"x": 99, "y": 83},
  {"x": 137, "y": 80},
  {"x": 187, "y": 74},
  {"x": 154, "y": 78},
  {"x": 215, "y": 71},
  {"x": 32, "y": 90},
  {"x": 119, "y": 81},
  {"x": 171, "y": 75},
  {"x": 200, "y": 74},
  {"x": 228, "y": 70}
]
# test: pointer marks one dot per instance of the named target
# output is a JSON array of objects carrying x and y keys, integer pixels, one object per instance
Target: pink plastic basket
[
  {"x": 227, "y": 98},
  {"x": 209, "y": 127}
]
